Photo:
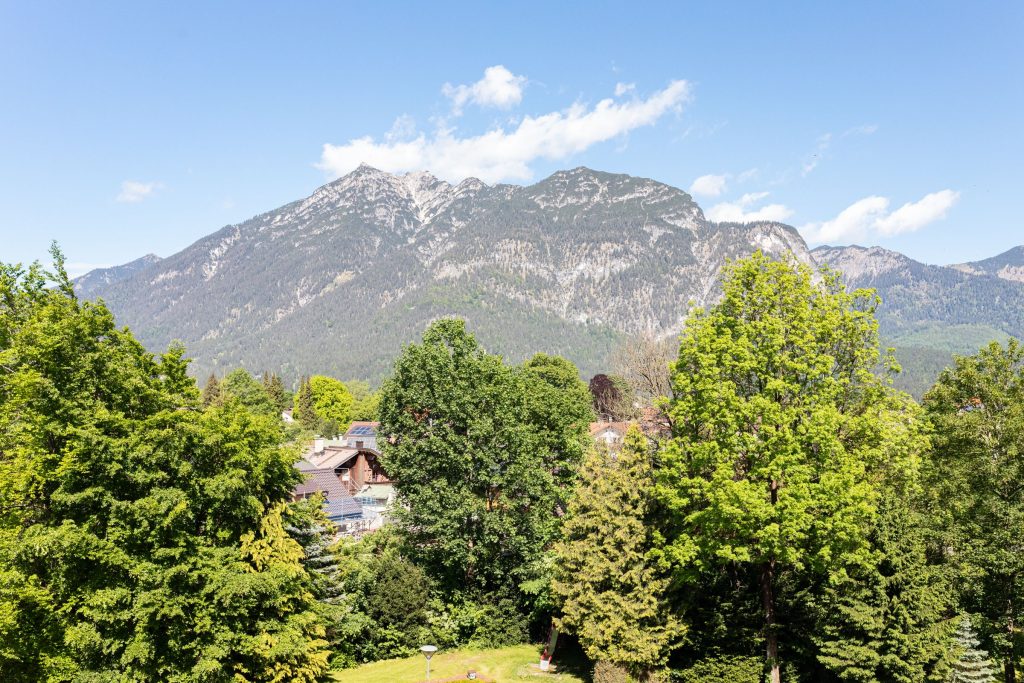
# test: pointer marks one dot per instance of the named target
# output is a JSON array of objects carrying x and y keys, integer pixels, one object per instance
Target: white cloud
[
  {"x": 498, "y": 88},
  {"x": 133, "y": 191},
  {"x": 709, "y": 185},
  {"x": 623, "y": 88},
  {"x": 915, "y": 215},
  {"x": 865, "y": 129},
  {"x": 506, "y": 154},
  {"x": 740, "y": 211},
  {"x": 870, "y": 216}
]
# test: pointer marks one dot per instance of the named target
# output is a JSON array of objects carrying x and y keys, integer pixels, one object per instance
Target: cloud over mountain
[{"x": 502, "y": 153}]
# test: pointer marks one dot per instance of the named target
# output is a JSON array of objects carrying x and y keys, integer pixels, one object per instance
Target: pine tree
[
  {"x": 275, "y": 389},
  {"x": 211, "y": 392},
  {"x": 972, "y": 665},
  {"x": 305, "y": 408},
  {"x": 607, "y": 577}
]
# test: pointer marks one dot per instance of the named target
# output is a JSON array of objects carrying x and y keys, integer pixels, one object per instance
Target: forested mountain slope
[{"x": 337, "y": 282}]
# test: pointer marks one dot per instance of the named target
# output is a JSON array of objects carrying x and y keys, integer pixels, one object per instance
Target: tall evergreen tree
[
  {"x": 140, "y": 537},
  {"x": 211, "y": 392},
  {"x": 274, "y": 387},
  {"x": 304, "y": 410},
  {"x": 971, "y": 665},
  {"x": 609, "y": 579}
]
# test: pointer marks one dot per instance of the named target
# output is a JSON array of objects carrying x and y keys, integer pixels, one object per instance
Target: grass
[{"x": 516, "y": 663}]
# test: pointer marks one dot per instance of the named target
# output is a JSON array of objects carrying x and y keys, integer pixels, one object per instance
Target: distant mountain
[
  {"x": 339, "y": 281},
  {"x": 94, "y": 282},
  {"x": 1009, "y": 265},
  {"x": 931, "y": 312}
]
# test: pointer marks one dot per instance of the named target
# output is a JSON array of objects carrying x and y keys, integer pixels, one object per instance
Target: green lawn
[{"x": 503, "y": 665}]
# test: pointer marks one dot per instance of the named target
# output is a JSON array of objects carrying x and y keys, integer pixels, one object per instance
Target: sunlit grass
[{"x": 517, "y": 663}]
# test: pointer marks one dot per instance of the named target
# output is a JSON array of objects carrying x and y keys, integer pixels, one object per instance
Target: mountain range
[{"x": 337, "y": 282}]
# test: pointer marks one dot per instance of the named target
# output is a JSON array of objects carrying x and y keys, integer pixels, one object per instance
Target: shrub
[
  {"x": 607, "y": 672},
  {"x": 735, "y": 669}
]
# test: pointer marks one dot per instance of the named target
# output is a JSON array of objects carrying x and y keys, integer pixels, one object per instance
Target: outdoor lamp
[{"x": 428, "y": 652}]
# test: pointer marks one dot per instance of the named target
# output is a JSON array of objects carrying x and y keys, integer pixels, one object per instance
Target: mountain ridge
[{"x": 337, "y": 281}]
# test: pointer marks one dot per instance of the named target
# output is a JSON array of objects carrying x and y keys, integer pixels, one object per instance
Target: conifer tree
[
  {"x": 211, "y": 392},
  {"x": 275, "y": 390},
  {"x": 971, "y": 665},
  {"x": 607, "y": 573},
  {"x": 305, "y": 409}
]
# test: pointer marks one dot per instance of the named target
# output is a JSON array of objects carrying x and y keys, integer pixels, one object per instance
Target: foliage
[
  {"x": 609, "y": 672},
  {"x": 304, "y": 410},
  {"x": 779, "y": 421},
  {"x": 140, "y": 537},
  {"x": 365, "y": 401},
  {"x": 977, "y": 413},
  {"x": 478, "y": 482},
  {"x": 332, "y": 403},
  {"x": 249, "y": 391},
  {"x": 612, "y": 397},
  {"x": 212, "y": 394},
  {"x": 717, "y": 669},
  {"x": 611, "y": 591},
  {"x": 971, "y": 664},
  {"x": 274, "y": 387}
]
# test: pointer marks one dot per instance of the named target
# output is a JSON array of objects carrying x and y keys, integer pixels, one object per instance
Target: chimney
[{"x": 318, "y": 445}]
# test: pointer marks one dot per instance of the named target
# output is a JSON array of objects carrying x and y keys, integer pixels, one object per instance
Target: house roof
[
  {"x": 319, "y": 480},
  {"x": 338, "y": 503},
  {"x": 345, "y": 507},
  {"x": 362, "y": 428},
  {"x": 598, "y": 427},
  {"x": 331, "y": 457},
  {"x": 376, "y": 491}
]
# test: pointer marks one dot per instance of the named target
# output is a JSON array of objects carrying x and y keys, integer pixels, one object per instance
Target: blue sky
[{"x": 129, "y": 128}]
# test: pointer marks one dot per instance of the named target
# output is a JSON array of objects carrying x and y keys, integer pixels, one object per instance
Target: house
[
  {"x": 352, "y": 461},
  {"x": 362, "y": 435},
  {"x": 610, "y": 434},
  {"x": 339, "y": 505},
  {"x": 653, "y": 423}
]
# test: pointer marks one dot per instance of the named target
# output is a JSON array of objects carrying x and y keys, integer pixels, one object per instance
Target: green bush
[
  {"x": 735, "y": 669},
  {"x": 607, "y": 672}
]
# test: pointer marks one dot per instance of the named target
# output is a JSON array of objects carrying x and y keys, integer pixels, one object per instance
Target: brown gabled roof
[
  {"x": 331, "y": 457},
  {"x": 321, "y": 481}
]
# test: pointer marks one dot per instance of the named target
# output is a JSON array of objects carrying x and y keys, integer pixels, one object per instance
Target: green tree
[
  {"x": 304, "y": 410},
  {"x": 609, "y": 579},
  {"x": 212, "y": 394},
  {"x": 971, "y": 664},
  {"x": 365, "y": 401},
  {"x": 977, "y": 412},
  {"x": 274, "y": 387},
  {"x": 249, "y": 391},
  {"x": 778, "y": 419},
  {"x": 477, "y": 491},
  {"x": 332, "y": 403},
  {"x": 140, "y": 537}
]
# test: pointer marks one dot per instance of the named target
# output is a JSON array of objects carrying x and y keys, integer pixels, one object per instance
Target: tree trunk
[
  {"x": 1011, "y": 661},
  {"x": 768, "y": 602}
]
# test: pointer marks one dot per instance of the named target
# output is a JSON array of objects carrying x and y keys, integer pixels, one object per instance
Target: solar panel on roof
[{"x": 362, "y": 431}]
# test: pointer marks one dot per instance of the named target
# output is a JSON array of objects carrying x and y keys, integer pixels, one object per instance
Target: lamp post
[{"x": 428, "y": 652}]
